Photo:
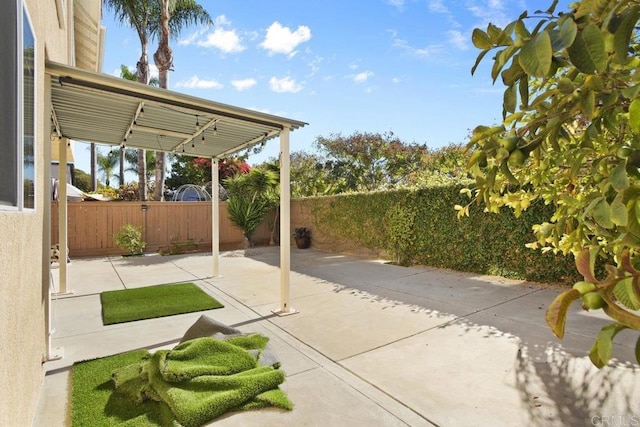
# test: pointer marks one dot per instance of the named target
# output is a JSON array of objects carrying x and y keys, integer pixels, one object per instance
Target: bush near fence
[
  {"x": 167, "y": 226},
  {"x": 421, "y": 227}
]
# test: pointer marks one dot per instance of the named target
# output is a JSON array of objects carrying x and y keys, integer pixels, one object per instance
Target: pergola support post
[
  {"x": 62, "y": 215},
  {"x": 215, "y": 217},
  {"x": 285, "y": 225}
]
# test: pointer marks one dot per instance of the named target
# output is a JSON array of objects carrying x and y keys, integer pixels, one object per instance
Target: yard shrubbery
[{"x": 421, "y": 227}]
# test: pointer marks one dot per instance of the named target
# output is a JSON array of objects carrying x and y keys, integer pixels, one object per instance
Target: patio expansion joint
[
  {"x": 115, "y": 270},
  {"x": 321, "y": 360}
]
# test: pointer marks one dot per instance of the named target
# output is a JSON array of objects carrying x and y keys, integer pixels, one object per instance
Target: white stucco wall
[{"x": 24, "y": 277}]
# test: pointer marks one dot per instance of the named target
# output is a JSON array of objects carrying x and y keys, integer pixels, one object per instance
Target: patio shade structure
[{"x": 89, "y": 106}]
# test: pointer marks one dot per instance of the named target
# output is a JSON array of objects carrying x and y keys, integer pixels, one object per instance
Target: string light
[
  {"x": 215, "y": 129},
  {"x": 197, "y": 122},
  {"x": 141, "y": 112},
  {"x": 203, "y": 137}
]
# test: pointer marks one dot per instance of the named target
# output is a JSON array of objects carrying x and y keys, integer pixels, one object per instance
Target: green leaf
[
  {"x": 619, "y": 178},
  {"x": 588, "y": 103},
  {"x": 512, "y": 74},
  {"x": 634, "y": 115},
  {"x": 478, "y": 60},
  {"x": 587, "y": 52},
  {"x": 585, "y": 263},
  {"x": 552, "y": 8},
  {"x": 565, "y": 85},
  {"x": 564, "y": 36},
  {"x": 535, "y": 56},
  {"x": 624, "y": 292},
  {"x": 521, "y": 30},
  {"x": 631, "y": 92},
  {"x": 619, "y": 215},
  {"x": 602, "y": 214},
  {"x": 594, "y": 7},
  {"x": 480, "y": 39},
  {"x": 556, "y": 316},
  {"x": 523, "y": 88},
  {"x": 622, "y": 34},
  {"x": 495, "y": 33},
  {"x": 510, "y": 99},
  {"x": 603, "y": 346}
]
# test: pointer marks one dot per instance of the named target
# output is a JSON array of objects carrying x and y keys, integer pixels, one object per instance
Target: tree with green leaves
[
  {"x": 151, "y": 19},
  {"x": 107, "y": 164},
  {"x": 311, "y": 175},
  {"x": 197, "y": 170},
  {"x": 131, "y": 158},
  {"x": 138, "y": 14},
  {"x": 570, "y": 137},
  {"x": 174, "y": 16},
  {"x": 251, "y": 196},
  {"x": 371, "y": 161},
  {"x": 440, "y": 167},
  {"x": 82, "y": 180}
]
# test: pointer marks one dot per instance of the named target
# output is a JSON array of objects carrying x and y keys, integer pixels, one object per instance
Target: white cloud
[
  {"x": 283, "y": 85},
  {"x": 362, "y": 77},
  {"x": 227, "y": 41},
  {"x": 457, "y": 39},
  {"x": 221, "y": 21},
  {"x": 281, "y": 39},
  {"x": 396, "y": 3},
  {"x": 489, "y": 11},
  {"x": 223, "y": 37},
  {"x": 243, "y": 84},
  {"x": 438, "y": 6},
  {"x": 426, "y": 51},
  {"x": 191, "y": 38},
  {"x": 195, "y": 82},
  {"x": 396, "y": 80}
]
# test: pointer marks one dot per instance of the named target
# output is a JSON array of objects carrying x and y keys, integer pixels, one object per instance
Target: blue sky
[{"x": 343, "y": 66}]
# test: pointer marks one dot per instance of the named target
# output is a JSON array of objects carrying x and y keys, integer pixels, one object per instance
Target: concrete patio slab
[
  {"x": 373, "y": 344},
  {"x": 345, "y": 323}
]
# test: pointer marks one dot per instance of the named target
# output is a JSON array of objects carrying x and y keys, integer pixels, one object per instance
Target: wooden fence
[{"x": 92, "y": 226}]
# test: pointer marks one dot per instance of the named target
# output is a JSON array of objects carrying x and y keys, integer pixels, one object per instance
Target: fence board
[{"x": 92, "y": 225}]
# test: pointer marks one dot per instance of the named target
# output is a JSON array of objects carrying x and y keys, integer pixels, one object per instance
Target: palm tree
[
  {"x": 131, "y": 157},
  {"x": 138, "y": 15},
  {"x": 107, "y": 164},
  {"x": 174, "y": 16}
]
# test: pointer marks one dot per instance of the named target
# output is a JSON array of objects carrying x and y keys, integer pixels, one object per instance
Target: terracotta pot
[{"x": 303, "y": 242}]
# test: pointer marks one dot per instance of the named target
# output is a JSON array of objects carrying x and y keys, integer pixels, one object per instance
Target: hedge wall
[{"x": 421, "y": 227}]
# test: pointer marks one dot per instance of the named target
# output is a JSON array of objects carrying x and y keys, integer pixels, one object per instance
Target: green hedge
[{"x": 421, "y": 227}]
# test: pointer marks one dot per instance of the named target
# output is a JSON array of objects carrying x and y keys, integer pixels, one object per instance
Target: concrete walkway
[{"x": 372, "y": 344}]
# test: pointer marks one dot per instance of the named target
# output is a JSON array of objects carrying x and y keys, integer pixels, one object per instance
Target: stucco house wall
[{"x": 24, "y": 238}]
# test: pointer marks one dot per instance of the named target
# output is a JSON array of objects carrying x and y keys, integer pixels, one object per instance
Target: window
[
  {"x": 17, "y": 108},
  {"x": 28, "y": 113}
]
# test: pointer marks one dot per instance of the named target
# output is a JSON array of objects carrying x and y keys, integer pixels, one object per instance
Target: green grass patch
[
  {"x": 94, "y": 401},
  {"x": 154, "y": 301},
  {"x": 190, "y": 385}
]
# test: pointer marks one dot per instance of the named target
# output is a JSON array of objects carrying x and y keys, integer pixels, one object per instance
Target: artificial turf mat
[
  {"x": 154, "y": 301},
  {"x": 94, "y": 401},
  {"x": 187, "y": 386}
]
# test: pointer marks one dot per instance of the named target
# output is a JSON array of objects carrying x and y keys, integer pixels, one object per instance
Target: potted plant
[{"x": 302, "y": 235}]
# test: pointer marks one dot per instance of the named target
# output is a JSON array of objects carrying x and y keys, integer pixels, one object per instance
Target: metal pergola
[{"x": 89, "y": 106}]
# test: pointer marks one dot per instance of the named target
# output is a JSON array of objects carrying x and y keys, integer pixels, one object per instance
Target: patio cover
[{"x": 103, "y": 109}]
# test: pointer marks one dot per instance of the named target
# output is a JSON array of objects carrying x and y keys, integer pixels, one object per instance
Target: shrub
[
  {"x": 129, "y": 239},
  {"x": 422, "y": 227}
]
